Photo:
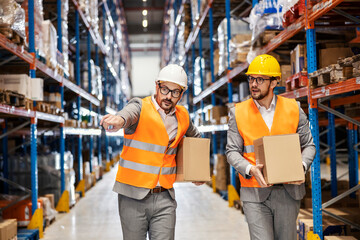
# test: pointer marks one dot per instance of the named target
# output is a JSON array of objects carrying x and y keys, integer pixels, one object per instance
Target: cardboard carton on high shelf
[
  {"x": 281, "y": 164},
  {"x": 8, "y": 229},
  {"x": 298, "y": 59},
  {"x": 330, "y": 56},
  {"x": 193, "y": 160}
]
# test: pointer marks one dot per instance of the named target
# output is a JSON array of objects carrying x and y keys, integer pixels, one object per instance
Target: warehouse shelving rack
[
  {"x": 35, "y": 64},
  {"x": 315, "y": 96}
]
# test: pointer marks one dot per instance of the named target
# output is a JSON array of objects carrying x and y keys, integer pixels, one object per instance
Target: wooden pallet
[
  {"x": 12, "y": 98},
  {"x": 43, "y": 107},
  {"x": 331, "y": 74},
  {"x": 29, "y": 105},
  {"x": 296, "y": 81},
  {"x": 49, "y": 220},
  {"x": 350, "y": 61}
]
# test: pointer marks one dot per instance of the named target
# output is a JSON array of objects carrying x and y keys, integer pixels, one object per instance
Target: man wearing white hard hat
[{"x": 153, "y": 128}]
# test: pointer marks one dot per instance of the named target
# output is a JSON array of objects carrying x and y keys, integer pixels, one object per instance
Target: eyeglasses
[
  {"x": 259, "y": 80},
  {"x": 174, "y": 93}
]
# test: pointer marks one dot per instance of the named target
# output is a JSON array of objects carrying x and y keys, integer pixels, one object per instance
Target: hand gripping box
[
  {"x": 281, "y": 156},
  {"x": 193, "y": 160}
]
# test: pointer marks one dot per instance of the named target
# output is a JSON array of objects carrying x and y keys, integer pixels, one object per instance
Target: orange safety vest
[
  {"x": 146, "y": 157},
  {"x": 252, "y": 126}
]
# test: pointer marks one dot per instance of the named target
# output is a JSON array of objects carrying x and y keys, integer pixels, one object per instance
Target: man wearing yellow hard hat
[{"x": 271, "y": 211}]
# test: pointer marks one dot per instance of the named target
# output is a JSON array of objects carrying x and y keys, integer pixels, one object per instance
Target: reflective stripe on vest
[
  {"x": 147, "y": 157},
  {"x": 249, "y": 149},
  {"x": 139, "y": 167},
  {"x": 251, "y": 126}
]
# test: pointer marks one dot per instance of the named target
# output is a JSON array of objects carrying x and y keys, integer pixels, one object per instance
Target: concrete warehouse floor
[{"x": 201, "y": 215}]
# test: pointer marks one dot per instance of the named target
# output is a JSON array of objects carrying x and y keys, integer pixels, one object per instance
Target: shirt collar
[
  {"x": 272, "y": 104},
  {"x": 158, "y": 108}
]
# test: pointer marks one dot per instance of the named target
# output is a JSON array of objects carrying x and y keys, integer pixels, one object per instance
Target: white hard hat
[{"x": 173, "y": 73}]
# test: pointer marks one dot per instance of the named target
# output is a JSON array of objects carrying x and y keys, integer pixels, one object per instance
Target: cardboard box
[
  {"x": 51, "y": 198},
  {"x": 285, "y": 74},
  {"x": 330, "y": 56},
  {"x": 298, "y": 59},
  {"x": 37, "y": 89},
  {"x": 281, "y": 164},
  {"x": 193, "y": 160},
  {"x": 218, "y": 111},
  {"x": 8, "y": 229},
  {"x": 222, "y": 177},
  {"x": 16, "y": 82}
]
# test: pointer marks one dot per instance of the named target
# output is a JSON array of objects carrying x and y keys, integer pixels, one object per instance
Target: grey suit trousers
[
  {"x": 275, "y": 218},
  {"x": 155, "y": 215}
]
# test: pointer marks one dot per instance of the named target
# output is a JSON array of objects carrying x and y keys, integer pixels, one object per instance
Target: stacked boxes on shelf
[
  {"x": 239, "y": 45},
  {"x": 38, "y": 20},
  {"x": 12, "y": 21},
  {"x": 333, "y": 66}
]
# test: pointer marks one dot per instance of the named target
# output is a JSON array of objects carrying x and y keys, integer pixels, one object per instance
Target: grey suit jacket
[
  {"x": 131, "y": 113},
  {"x": 234, "y": 151}
]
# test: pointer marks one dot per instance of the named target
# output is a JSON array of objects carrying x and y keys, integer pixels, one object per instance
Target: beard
[
  {"x": 261, "y": 94},
  {"x": 166, "y": 104}
]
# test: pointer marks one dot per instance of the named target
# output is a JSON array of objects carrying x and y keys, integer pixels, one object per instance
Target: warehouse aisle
[{"x": 201, "y": 215}]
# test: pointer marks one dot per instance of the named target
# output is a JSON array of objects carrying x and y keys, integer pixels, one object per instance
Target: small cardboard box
[
  {"x": 218, "y": 111},
  {"x": 37, "y": 89},
  {"x": 193, "y": 160},
  {"x": 51, "y": 197},
  {"x": 298, "y": 59},
  {"x": 281, "y": 156},
  {"x": 330, "y": 56},
  {"x": 8, "y": 229},
  {"x": 285, "y": 73}
]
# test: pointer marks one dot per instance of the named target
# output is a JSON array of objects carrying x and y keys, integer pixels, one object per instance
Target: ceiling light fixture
[
  {"x": 144, "y": 0},
  {"x": 145, "y": 23},
  {"x": 144, "y": 12}
]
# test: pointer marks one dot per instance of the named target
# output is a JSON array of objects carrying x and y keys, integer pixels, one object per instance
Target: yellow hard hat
[{"x": 264, "y": 65}]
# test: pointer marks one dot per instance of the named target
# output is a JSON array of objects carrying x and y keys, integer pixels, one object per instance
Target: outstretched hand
[{"x": 112, "y": 123}]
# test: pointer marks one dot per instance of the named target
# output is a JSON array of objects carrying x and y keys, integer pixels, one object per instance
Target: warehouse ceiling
[{"x": 149, "y": 38}]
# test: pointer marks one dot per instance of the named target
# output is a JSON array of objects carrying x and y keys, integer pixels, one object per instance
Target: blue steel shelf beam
[
  {"x": 91, "y": 143},
  {"x": 105, "y": 93},
  {"x": 332, "y": 144},
  {"x": 97, "y": 63},
  {"x": 314, "y": 127},
  {"x": 230, "y": 87},
  {"x": 62, "y": 135},
  {"x": 213, "y": 99},
  {"x": 33, "y": 127},
  {"x": 78, "y": 100}
]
